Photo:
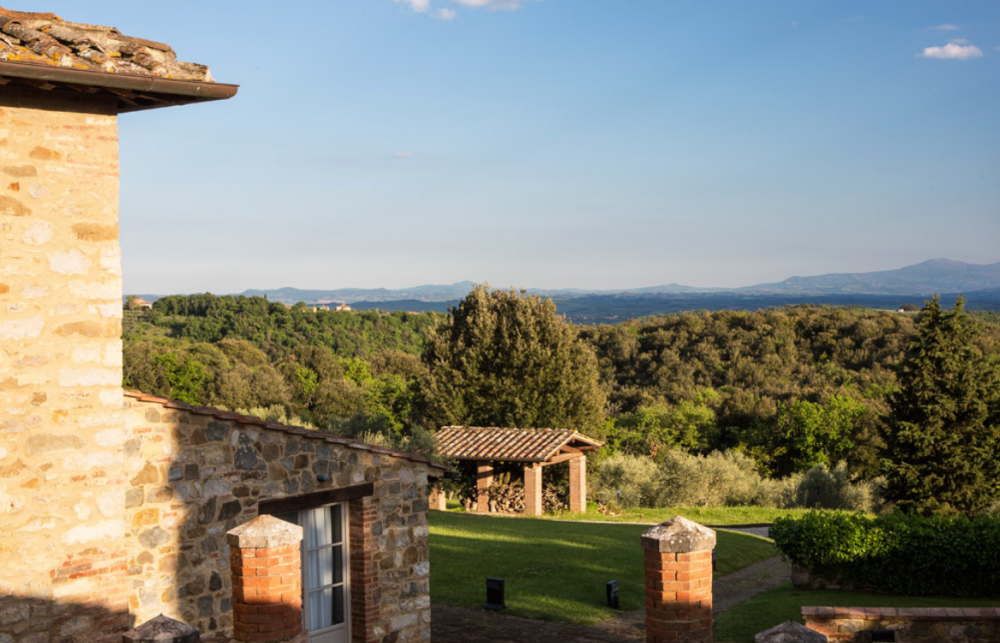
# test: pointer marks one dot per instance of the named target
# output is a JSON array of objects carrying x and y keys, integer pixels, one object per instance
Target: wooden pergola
[{"x": 536, "y": 448}]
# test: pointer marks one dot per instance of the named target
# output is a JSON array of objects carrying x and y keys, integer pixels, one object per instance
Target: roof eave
[{"x": 167, "y": 91}]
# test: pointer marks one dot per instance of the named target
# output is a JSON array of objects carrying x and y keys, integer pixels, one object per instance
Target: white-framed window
[{"x": 326, "y": 576}]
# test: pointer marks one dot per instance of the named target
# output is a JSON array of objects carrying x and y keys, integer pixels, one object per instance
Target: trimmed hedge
[{"x": 897, "y": 553}]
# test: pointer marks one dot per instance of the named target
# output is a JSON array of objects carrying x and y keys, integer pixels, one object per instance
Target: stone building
[{"x": 114, "y": 506}]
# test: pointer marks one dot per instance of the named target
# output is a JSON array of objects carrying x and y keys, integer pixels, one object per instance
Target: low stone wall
[{"x": 912, "y": 625}]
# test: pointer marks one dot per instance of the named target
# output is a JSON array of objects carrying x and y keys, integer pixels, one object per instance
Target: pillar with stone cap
[
  {"x": 678, "y": 556},
  {"x": 265, "y": 559}
]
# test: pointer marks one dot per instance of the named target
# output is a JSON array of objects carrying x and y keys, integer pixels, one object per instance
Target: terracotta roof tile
[
  {"x": 46, "y": 39},
  {"x": 509, "y": 445},
  {"x": 274, "y": 426}
]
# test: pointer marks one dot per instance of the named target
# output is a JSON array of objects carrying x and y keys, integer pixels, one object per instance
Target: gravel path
[{"x": 462, "y": 625}]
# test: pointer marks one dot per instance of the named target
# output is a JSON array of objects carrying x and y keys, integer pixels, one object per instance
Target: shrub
[
  {"x": 721, "y": 478},
  {"x": 628, "y": 481},
  {"x": 897, "y": 553},
  {"x": 825, "y": 488},
  {"x": 725, "y": 478}
]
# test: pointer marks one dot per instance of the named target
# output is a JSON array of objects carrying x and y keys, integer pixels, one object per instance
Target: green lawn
[
  {"x": 554, "y": 570},
  {"x": 703, "y": 515},
  {"x": 740, "y": 623}
]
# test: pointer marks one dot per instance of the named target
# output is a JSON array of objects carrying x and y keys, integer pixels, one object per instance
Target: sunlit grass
[
  {"x": 703, "y": 515},
  {"x": 553, "y": 570}
]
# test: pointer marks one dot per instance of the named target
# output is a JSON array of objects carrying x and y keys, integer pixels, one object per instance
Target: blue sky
[{"x": 560, "y": 143}]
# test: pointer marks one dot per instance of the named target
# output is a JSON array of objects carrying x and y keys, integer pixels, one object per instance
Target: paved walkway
[{"x": 462, "y": 625}]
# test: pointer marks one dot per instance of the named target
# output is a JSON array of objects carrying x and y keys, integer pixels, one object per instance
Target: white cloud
[
  {"x": 952, "y": 51},
  {"x": 959, "y": 41},
  {"x": 509, "y": 5},
  {"x": 445, "y": 14},
  {"x": 945, "y": 27},
  {"x": 402, "y": 155},
  {"x": 420, "y": 6}
]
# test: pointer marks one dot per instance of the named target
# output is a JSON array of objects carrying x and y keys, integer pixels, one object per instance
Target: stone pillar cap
[
  {"x": 162, "y": 629},
  {"x": 264, "y": 532},
  {"x": 790, "y": 632},
  {"x": 678, "y": 536}
]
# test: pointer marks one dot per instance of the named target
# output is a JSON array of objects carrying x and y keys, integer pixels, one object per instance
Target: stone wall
[
  {"x": 912, "y": 625},
  {"x": 61, "y": 488},
  {"x": 196, "y": 473}
]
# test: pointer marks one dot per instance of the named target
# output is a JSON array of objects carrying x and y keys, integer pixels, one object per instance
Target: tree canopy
[
  {"x": 504, "y": 358},
  {"x": 944, "y": 428}
]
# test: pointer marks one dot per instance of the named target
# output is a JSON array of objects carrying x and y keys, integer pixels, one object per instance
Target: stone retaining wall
[{"x": 912, "y": 625}]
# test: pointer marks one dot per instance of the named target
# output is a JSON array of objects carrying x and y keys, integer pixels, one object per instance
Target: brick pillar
[
  {"x": 678, "y": 582},
  {"x": 533, "y": 490},
  {"x": 266, "y": 565},
  {"x": 366, "y": 595},
  {"x": 437, "y": 500},
  {"x": 578, "y": 485},
  {"x": 484, "y": 479}
]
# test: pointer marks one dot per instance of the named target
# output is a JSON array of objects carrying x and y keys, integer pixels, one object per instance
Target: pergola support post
[
  {"x": 484, "y": 480},
  {"x": 578, "y": 485},
  {"x": 533, "y": 489}
]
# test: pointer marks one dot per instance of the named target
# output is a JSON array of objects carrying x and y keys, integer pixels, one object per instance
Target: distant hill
[
  {"x": 351, "y": 295},
  {"x": 910, "y": 283},
  {"x": 936, "y": 275}
]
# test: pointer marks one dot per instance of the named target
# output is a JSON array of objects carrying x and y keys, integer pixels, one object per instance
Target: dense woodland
[{"x": 789, "y": 387}]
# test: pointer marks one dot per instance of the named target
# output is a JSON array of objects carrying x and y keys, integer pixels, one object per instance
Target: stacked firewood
[{"x": 505, "y": 496}]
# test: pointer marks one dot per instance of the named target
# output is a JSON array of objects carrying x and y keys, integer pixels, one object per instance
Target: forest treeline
[{"x": 790, "y": 387}]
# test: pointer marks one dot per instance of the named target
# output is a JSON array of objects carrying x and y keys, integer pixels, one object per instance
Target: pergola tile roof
[{"x": 498, "y": 444}]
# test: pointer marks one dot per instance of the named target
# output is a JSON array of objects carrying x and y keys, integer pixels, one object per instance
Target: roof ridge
[{"x": 34, "y": 15}]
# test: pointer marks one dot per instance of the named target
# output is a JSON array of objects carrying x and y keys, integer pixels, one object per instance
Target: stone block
[
  {"x": 678, "y": 535},
  {"x": 790, "y": 632}
]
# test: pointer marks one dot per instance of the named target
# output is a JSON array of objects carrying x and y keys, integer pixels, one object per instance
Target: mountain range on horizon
[{"x": 924, "y": 279}]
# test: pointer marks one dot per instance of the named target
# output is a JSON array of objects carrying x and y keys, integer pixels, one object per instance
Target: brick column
[
  {"x": 578, "y": 485},
  {"x": 533, "y": 490},
  {"x": 484, "y": 479},
  {"x": 678, "y": 582},
  {"x": 266, "y": 565},
  {"x": 437, "y": 500},
  {"x": 366, "y": 595}
]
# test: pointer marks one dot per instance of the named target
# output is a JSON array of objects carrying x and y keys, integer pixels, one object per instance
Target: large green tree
[
  {"x": 504, "y": 358},
  {"x": 943, "y": 441}
]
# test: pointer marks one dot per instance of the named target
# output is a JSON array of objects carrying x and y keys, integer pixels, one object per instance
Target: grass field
[
  {"x": 703, "y": 515},
  {"x": 554, "y": 570},
  {"x": 740, "y": 623}
]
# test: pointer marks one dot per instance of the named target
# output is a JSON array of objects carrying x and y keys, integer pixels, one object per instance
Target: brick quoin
[
  {"x": 366, "y": 597},
  {"x": 678, "y": 577}
]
